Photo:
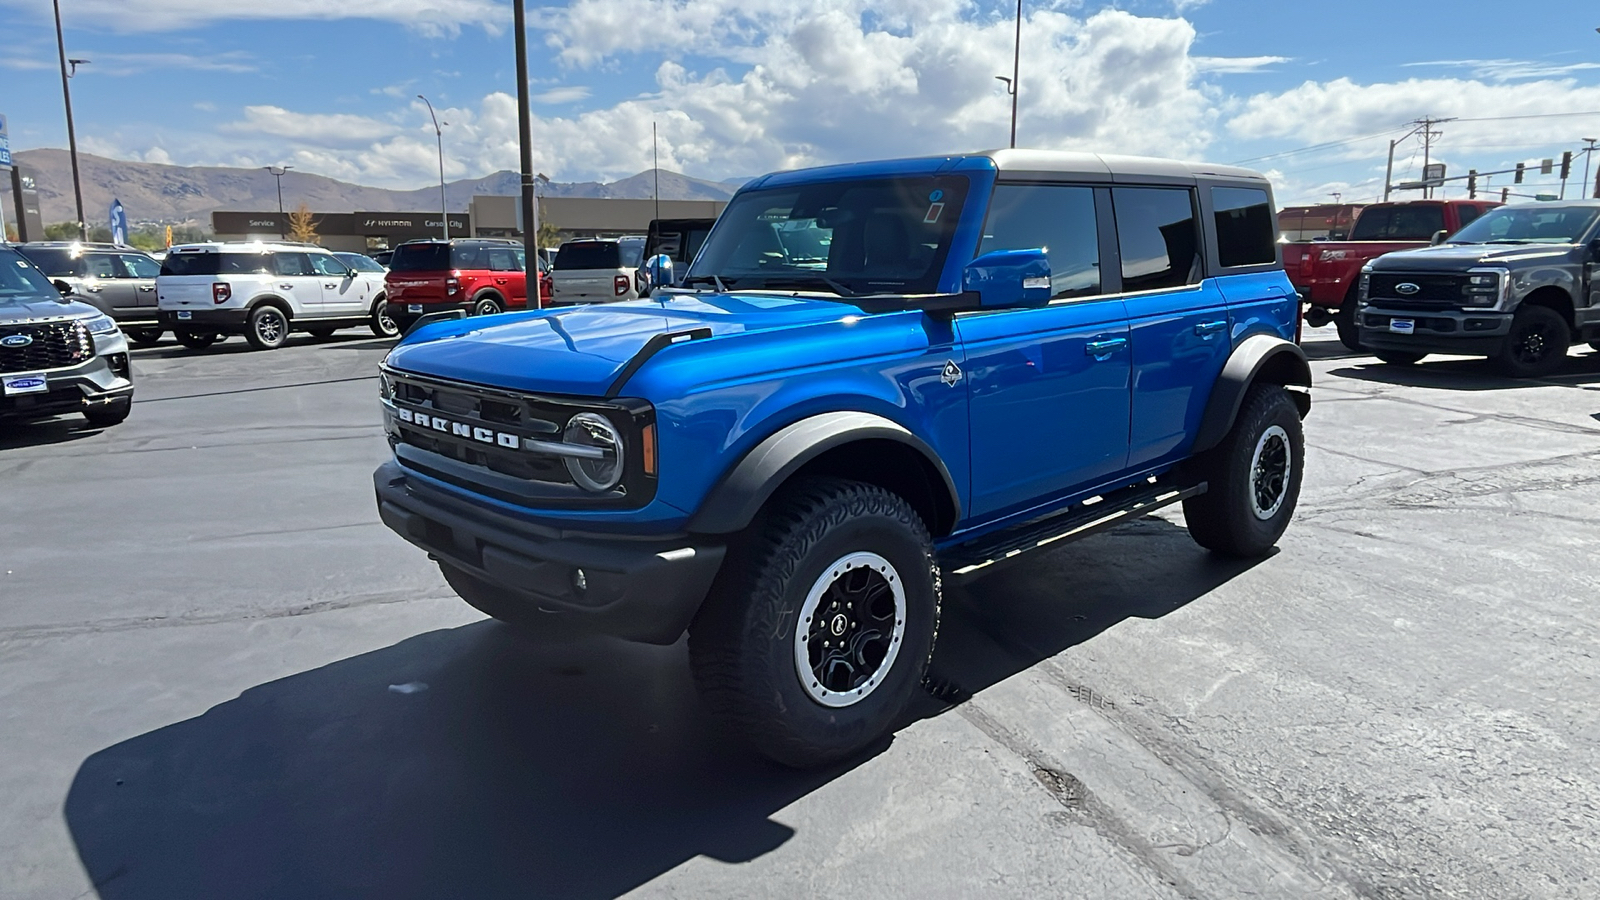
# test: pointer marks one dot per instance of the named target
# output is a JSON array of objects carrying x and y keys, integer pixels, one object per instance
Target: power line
[{"x": 1366, "y": 137}]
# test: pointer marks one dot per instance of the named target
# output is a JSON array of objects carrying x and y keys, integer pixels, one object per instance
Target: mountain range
[{"x": 167, "y": 194}]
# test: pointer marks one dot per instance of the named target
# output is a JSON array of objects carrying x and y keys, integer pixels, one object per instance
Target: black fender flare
[
  {"x": 283, "y": 305},
  {"x": 741, "y": 492},
  {"x": 1258, "y": 357},
  {"x": 493, "y": 293}
]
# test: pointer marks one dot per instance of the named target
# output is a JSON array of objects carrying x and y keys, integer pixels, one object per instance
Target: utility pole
[
  {"x": 1016, "y": 75},
  {"x": 530, "y": 213},
  {"x": 655, "y": 163},
  {"x": 1428, "y": 134},
  {"x": 72, "y": 137},
  {"x": 1588, "y": 152}
]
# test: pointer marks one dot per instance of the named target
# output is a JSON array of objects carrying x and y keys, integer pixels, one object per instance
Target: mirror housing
[
  {"x": 1006, "y": 279},
  {"x": 64, "y": 288},
  {"x": 1438, "y": 237},
  {"x": 658, "y": 272}
]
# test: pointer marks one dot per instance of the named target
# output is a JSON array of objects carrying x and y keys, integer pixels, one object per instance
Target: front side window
[
  {"x": 1157, "y": 236},
  {"x": 1057, "y": 218},
  {"x": 851, "y": 238},
  {"x": 1399, "y": 223},
  {"x": 327, "y": 264},
  {"x": 1244, "y": 227},
  {"x": 1532, "y": 224}
]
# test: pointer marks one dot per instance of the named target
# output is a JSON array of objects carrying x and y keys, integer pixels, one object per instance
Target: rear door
[
  {"x": 1048, "y": 388},
  {"x": 1179, "y": 319},
  {"x": 342, "y": 293},
  {"x": 506, "y": 272},
  {"x": 105, "y": 276},
  {"x": 296, "y": 281},
  {"x": 142, "y": 271}
]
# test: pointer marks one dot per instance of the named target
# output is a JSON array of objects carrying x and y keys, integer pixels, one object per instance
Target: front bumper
[
  {"x": 231, "y": 321},
  {"x": 637, "y": 589},
  {"x": 101, "y": 381},
  {"x": 1475, "y": 333}
]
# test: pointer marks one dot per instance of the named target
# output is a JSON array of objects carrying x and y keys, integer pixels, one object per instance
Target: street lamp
[
  {"x": 72, "y": 137},
  {"x": 1015, "y": 81},
  {"x": 529, "y": 205},
  {"x": 1588, "y": 153},
  {"x": 278, "y": 173},
  {"x": 444, "y": 206}
]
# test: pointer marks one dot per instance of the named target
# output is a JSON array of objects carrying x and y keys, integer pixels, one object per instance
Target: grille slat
[
  {"x": 53, "y": 345},
  {"x": 1434, "y": 291}
]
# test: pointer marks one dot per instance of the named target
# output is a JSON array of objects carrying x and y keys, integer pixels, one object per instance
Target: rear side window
[
  {"x": 469, "y": 256},
  {"x": 291, "y": 264},
  {"x": 1057, "y": 218},
  {"x": 1244, "y": 227},
  {"x": 420, "y": 258},
  {"x": 140, "y": 266},
  {"x": 588, "y": 255},
  {"x": 1157, "y": 236},
  {"x": 56, "y": 262},
  {"x": 1467, "y": 214},
  {"x": 503, "y": 259},
  {"x": 1398, "y": 223},
  {"x": 215, "y": 263},
  {"x": 101, "y": 265}
]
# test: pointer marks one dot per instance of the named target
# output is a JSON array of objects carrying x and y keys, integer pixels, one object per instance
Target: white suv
[
  {"x": 265, "y": 290},
  {"x": 597, "y": 271}
]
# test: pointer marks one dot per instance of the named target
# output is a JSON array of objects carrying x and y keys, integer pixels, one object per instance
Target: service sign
[{"x": 5, "y": 145}]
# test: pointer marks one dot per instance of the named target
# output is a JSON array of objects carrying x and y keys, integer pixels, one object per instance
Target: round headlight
[{"x": 598, "y": 472}]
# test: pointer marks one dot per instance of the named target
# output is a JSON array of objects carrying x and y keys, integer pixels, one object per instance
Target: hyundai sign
[{"x": 5, "y": 145}]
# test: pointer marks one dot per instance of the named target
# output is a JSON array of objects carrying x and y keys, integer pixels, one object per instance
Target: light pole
[
  {"x": 1015, "y": 80},
  {"x": 444, "y": 206},
  {"x": 530, "y": 213},
  {"x": 1588, "y": 153},
  {"x": 72, "y": 137},
  {"x": 278, "y": 173}
]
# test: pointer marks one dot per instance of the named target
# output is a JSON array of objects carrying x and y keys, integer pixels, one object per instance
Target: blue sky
[{"x": 739, "y": 87}]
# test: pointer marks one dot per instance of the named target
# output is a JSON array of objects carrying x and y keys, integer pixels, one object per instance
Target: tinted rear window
[
  {"x": 55, "y": 262},
  {"x": 1398, "y": 223},
  {"x": 420, "y": 258},
  {"x": 1244, "y": 227},
  {"x": 589, "y": 255},
  {"x": 215, "y": 263}
]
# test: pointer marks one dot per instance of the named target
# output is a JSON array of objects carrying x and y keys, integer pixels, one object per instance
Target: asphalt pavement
[{"x": 220, "y": 676}]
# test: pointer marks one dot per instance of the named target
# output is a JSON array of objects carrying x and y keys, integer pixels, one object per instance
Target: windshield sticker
[
  {"x": 935, "y": 210},
  {"x": 936, "y": 196}
]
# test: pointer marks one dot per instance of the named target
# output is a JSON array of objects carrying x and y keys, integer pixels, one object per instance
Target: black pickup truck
[{"x": 1519, "y": 285}]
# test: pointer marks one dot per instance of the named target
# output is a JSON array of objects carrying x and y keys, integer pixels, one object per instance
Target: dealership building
[{"x": 486, "y": 216}]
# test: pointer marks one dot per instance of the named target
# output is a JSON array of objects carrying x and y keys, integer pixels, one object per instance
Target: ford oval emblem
[
  {"x": 16, "y": 340},
  {"x": 1406, "y": 288}
]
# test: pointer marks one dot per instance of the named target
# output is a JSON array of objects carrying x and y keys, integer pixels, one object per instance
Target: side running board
[{"x": 1076, "y": 521}]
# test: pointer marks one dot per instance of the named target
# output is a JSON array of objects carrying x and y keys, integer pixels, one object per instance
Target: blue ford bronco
[{"x": 872, "y": 378}]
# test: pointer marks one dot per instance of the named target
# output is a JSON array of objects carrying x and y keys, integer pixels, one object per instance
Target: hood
[
  {"x": 1465, "y": 256},
  {"x": 14, "y": 312},
  {"x": 581, "y": 350}
]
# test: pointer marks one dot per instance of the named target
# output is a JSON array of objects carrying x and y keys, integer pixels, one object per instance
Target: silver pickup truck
[{"x": 1519, "y": 285}]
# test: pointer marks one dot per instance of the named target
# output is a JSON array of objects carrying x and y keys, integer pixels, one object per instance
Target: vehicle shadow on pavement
[
  {"x": 530, "y": 769},
  {"x": 1330, "y": 350},
  {"x": 1578, "y": 370},
  {"x": 14, "y": 435},
  {"x": 1002, "y": 624}
]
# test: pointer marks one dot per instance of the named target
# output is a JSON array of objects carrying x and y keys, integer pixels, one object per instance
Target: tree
[
  {"x": 302, "y": 227},
  {"x": 549, "y": 235}
]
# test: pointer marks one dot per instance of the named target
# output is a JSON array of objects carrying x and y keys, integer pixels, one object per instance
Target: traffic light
[
  {"x": 1472, "y": 183},
  {"x": 1520, "y": 168},
  {"x": 1566, "y": 165},
  {"x": 1505, "y": 195}
]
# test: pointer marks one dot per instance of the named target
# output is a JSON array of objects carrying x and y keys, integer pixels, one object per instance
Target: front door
[
  {"x": 1048, "y": 388},
  {"x": 343, "y": 294}
]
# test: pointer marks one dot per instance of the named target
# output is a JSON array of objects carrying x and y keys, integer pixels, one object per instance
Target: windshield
[
  {"x": 1542, "y": 224},
  {"x": 56, "y": 262},
  {"x": 844, "y": 237},
  {"x": 1398, "y": 223},
  {"x": 20, "y": 282}
]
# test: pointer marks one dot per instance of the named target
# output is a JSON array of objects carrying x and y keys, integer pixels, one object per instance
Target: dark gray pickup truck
[{"x": 1520, "y": 285}]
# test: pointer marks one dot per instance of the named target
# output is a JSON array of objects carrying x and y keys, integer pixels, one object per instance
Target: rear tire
[
  {"x": 1398, "y": 357},
  {"x": 487, "y": 306},
  {"x": 110, "y": 414},
  {"x": 267, "y": 328},
  {"x": 820, "y": 625},
  {"x": 143, "y": 337},
  {"x": 1344, "y": 319},
  {"x": 1536, "y": 345},
  {"x": 1253, "y": 475},
  {"x": 382, "y": 324},
  {"x": 196, "y": 340}
]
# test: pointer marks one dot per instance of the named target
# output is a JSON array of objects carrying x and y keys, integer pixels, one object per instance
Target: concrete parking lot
[{"x": 220, "y": 676}]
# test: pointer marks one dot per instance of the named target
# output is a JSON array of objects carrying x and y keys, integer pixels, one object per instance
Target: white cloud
[
  {"x": 1508, "y": 69},
  {"x": 1236, "y": 65},
  {"x": 119, "y": 64},
  {"x": 23, "y": 63},
  {"x": 326, "y": 129},
  {"x": 570, "y": 94},
  {"x": 428, "y": 16}
]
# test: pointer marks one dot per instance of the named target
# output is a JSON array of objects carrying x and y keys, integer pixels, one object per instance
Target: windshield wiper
[
  {"x": 706, "y": 279},
  {"x": 812, "y": 281}
]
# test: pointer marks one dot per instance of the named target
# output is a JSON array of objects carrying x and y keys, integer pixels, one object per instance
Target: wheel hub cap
[{"x": 850, "y": 629}]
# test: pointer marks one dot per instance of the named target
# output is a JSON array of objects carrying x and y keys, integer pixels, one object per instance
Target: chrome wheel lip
[
  {"x": 1264, "y": 463},
  {"x": 802, "y": 632}
]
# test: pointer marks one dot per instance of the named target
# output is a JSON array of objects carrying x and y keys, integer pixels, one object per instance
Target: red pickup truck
[{"x": 1326, "y": 272}]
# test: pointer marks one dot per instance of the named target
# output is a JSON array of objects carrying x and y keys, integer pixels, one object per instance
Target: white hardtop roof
[
  {"x": 243, "y": 246},
  {"x": 1104, "y": 164}
]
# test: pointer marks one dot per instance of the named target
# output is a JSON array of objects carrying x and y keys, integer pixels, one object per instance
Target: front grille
[
  {"x": 472, "y": 425},
  {"x": 1434, "y": 291},
  {"x": 53, "y": 345}
]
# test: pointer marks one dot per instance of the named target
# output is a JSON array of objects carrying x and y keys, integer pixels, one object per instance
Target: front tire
[
  {"x": 1344, "y": 319},
  {"x": 196, "y": 340},
  {"x": 268, "y": 328},
  {"x": 1253, "y": 475},
  {"x": 1536, "y": 345},
  {"x": 110, "y": 414},
  {"x": 820, "y": 626},
  {"x": 143, "y": 337}
]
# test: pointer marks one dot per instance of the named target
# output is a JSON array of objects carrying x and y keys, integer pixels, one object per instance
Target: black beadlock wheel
[
  {"x": 1536, "y": 345},
  {"x": 1253, "y": 477},
  {"x": 267, "y": 328},
  {"x": 820, "y": 626}
]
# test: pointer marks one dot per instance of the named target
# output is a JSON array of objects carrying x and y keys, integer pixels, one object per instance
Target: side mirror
[
  {"x": 1438, "y": 237},
  {"x": 658, "y": 271},
  {"x": 351, "y": 273},
  {"x": 63, "y": 287},
  {"x": 1004, "y": 279}
]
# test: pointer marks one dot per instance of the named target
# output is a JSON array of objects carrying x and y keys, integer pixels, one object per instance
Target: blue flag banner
[{"x": 119, "y": 223}]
